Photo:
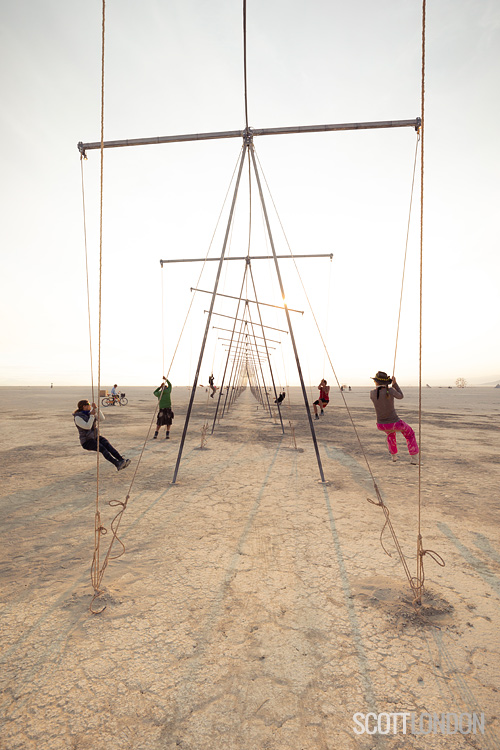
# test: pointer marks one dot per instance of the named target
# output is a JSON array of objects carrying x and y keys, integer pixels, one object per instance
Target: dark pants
[
  {"x": 105, "y": 447},
  {"x": 165, "y": 417}
]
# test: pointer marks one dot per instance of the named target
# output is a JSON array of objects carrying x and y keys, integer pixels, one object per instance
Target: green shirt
[{"x": 165, "y": 396}]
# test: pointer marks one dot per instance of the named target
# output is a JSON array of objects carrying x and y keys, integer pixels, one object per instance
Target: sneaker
[
  {"x": 394, "y": 457},
  {"x": 414, "y": 460},
  {"x": 123, "y": 464},
  {"x": 322, "y": 413},
  {"x": 316, "y": 416},
  {"x": 155, "y": 436},
  {"x": 167, "y": 436}
]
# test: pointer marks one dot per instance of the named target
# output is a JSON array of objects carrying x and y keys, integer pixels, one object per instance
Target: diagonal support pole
[
  {"x": 289, "y": 321},
  {"x": 221, "y": 389},
  {"x": 209, "y": 318},
  {"x": 267, "y": 352}
]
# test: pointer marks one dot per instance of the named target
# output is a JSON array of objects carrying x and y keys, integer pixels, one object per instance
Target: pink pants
[{"x": 407, "y": 432}]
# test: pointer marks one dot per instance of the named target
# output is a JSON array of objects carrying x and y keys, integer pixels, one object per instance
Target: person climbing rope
[
  {"x": 212, "y": 386},
  {"x": 165, "y": 413},
  {"x": 387, "y": 420},
  {"x": 86, "y": 419},
  {"x": 323, "y": 400},
  {"x": 280, "y": 398}
]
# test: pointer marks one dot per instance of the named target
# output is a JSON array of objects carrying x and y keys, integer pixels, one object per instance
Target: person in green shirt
[{"x": 165, "y": 413}]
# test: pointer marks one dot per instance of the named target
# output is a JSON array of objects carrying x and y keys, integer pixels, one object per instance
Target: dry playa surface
[{"x": 254, "y": 608}]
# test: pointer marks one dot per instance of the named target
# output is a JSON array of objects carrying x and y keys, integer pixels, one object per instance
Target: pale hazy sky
[{"x": 176, "y": 67}]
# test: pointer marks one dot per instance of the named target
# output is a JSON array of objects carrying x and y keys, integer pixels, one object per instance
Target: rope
[
  {"x": 207, "y": 401},
  {"x": 162, "y": 324},
  {"x": 115, "y": 523},
  {"x": 98, "y": 570},
  {"x": 420, "y": 553},
  {"x": 245, "y": 59},
  {"x": 328, "y": 307},
  {"x": 406, "y": 253},
  {"x": 87, "y": 276},
  {"x": 98, "y": 529},
  {"x": 204, "y": 262},
  {"x": 416, "y": 587}
]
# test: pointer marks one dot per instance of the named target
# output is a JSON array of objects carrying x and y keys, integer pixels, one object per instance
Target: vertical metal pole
[
  {"x": 214, "y": 294},
  {"x": 237, "y": 358},
  {"x": 221, "y": 389},
  {"x": 238, "y": 387},
  {"x": 299, "y": 369},
  {"x": 247, "y": 309},
  {"x": 237, "y": 355},
  {"x": 267, "y": 353}
]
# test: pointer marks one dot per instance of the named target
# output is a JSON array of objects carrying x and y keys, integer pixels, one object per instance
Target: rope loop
[
  {"x": 433, "y": 555},
  {"x": 118, "y": 503},
  {"x": 381, "y": 504},
  {"x": 91, "y": 608}
]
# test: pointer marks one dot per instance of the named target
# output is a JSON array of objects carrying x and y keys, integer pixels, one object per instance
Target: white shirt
[{"x": 80, "y": 422}]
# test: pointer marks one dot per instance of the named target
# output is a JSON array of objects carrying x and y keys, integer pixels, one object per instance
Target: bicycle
[{"x": 112, "y": 400}]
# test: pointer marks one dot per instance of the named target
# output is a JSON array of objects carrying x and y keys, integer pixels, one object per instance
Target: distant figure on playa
[
  {"x": 387, "y": 420},
  {"x": 212, "y": 386},
  {"x": 114, "y": 393},
  {"x": 86, "y": 419},
  {"x": 280, "y": 398},
  {"x": 323, "y": 400},
  {"x": 165, "y": 413}
]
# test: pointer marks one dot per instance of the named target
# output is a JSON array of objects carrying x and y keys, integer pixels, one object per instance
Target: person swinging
[
  {"x": 86, "y": 419},
  {"x": 388, "y": 421},
  {"x": 323, "y": 400},
  {"x": 165, "y": 413},
  {"x": 213, "y": 387}
]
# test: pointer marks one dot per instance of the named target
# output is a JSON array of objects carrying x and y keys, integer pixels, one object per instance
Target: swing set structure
[{"x": 248, "y": 347}]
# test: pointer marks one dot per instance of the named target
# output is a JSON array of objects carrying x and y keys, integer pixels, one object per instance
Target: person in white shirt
[{"x": 86, "y": 419}]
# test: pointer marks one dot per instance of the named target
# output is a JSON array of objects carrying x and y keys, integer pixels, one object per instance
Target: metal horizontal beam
[
  {"x": 246, "y": 358},
  {"x": 247, "y": 257},
  {"x": 246, "y": 333},
  {"x": 242, "y": 353},
  {"x": 83, "y": 147},
  {"x": 255, "y": 302},
  {"x": 247, "y": 346},
  {"x": 248, "y": 322}
]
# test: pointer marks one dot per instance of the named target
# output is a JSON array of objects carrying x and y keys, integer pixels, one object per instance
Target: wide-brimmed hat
[{"x": 382, "y": 377}]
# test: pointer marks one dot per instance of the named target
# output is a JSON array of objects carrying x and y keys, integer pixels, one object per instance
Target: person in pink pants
[{"x": 383, "y": 396}]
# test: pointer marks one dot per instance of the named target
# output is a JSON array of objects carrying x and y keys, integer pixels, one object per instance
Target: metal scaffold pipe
[{"x": 245, "y": 134}]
